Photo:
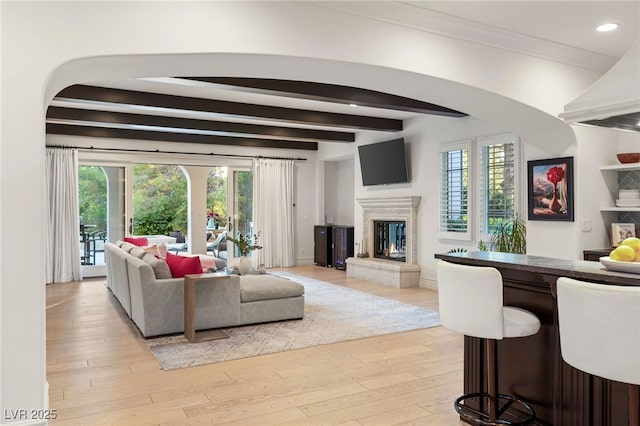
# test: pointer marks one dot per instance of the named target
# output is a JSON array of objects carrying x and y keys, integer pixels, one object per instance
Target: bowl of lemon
[{"x": 625, "y": 257}]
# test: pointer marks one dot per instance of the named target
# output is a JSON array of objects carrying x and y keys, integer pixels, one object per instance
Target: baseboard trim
[
  {"x": 304, "y": 261},
  {"x": 429, "y": 283}
]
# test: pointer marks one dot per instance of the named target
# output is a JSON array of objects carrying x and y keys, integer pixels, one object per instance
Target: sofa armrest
[{"x": 117, "y": 277}]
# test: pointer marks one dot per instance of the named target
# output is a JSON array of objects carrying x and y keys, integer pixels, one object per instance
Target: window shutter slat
[
  {"x": 498, "y": 183},
  {"x": 454, "y": 197}
]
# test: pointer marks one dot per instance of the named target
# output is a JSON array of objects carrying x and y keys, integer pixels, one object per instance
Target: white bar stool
[
  {"x": 471, "y": 303},
  {"x": 600, "y": 333}
]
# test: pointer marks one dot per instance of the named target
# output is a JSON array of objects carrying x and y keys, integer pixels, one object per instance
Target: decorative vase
[
  {"x": 244, "y": 265},
  {"x": 210, "y": 222},
  {"x": 554, "y": 204}
]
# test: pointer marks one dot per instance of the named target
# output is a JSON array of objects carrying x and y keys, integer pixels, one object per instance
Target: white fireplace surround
[
  {"x": 388, "y": 272},
  {"x": 401, "y": 209}
]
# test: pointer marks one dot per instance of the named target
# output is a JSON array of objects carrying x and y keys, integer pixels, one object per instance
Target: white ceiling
[{"x": 571, "y": 23}]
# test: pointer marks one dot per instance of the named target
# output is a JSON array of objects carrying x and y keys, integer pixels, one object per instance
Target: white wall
[
  {"x": 306, "y": 201},
  {"x": 628, "y": 141},
  {"x": 597, "y": 147},
  {"x": 47, "y": 46},
  {"x": 423, "y": 137},
  {"x": 339, "y": 192}
]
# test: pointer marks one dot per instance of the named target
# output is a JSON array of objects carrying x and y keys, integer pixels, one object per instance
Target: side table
[{"x": 190, "y": 282}]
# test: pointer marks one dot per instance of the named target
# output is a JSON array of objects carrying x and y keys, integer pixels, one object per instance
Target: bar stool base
[{"x": 476, "y": 417}]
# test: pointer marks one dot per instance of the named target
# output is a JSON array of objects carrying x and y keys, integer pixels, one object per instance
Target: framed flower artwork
[{"x": 550, "y": 194}]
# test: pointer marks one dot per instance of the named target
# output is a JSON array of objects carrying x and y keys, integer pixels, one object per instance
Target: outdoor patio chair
[
  {"x": 220, "y": 243},
  {"x": 96, "y": 244}
]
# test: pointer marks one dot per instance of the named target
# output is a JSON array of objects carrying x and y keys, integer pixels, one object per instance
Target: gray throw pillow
[
  {"x": 149, "y": 258},
  {"x": 160, "y": 269},
  {"x": 137, "y": 252},
  {"x": 127, "y": 246}
]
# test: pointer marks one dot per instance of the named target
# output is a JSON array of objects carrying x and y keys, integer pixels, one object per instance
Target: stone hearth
[{"x": 388, "y": 272}]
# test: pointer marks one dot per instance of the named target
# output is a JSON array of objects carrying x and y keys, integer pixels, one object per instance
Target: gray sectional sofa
[{"x": 156, "y": 305}]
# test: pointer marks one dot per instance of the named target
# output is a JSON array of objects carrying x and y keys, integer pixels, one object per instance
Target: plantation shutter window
[
  {"x": 497, "y": 183},
  {"x": 454, "y": 191}
]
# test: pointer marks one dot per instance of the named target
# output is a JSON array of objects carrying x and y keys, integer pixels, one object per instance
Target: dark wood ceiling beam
[
  {"x": 116, "y": 133},
  {"x": 130, "y": 97},
  {"x": 329, "y": 93},
  {"x": 223, "y": 127}
]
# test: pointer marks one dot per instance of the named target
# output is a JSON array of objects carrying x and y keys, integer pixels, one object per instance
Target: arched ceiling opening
[{"x": 264, "y": 101}]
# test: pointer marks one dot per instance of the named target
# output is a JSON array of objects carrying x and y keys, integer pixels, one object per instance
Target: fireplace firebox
[{"x": 390, "y": 240}]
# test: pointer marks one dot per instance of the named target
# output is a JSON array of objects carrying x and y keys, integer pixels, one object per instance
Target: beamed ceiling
[{"x": 246, "y": 112}]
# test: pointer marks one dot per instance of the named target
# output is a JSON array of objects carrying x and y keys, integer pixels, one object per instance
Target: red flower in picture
[{"x": 555, "y": 174}]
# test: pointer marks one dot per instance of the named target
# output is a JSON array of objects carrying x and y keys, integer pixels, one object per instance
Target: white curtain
[
  {"x": 273, "y": 212},
  {"x": 63, "y": 223}
]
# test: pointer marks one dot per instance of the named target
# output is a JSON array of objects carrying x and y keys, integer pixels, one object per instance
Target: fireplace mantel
[
  {"x": 390, "y": 273},
  {"x": 396, "y": 208}
]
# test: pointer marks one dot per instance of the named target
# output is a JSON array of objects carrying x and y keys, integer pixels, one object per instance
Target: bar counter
[{"x": 532, "y": 368}]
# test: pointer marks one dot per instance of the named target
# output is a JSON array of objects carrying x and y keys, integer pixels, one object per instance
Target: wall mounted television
[{"x": 383, "y": 163}]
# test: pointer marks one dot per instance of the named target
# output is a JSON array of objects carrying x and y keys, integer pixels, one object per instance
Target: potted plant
[
  {"x": 511, "y": 237},
  {"x": 246, "y": 244}
]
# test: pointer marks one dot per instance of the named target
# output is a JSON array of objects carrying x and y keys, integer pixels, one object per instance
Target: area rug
[{"x": 332, "y": 314}]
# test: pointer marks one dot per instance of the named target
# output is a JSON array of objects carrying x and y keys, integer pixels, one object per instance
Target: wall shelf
[
  {"x": 621, "y": 167},
  {"x": 614, "y": 185},
  {"x": 619, "y": 209}
]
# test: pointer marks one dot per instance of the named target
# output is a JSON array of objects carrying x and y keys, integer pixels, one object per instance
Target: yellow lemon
[
  {"x": 623, "y": 253},
  {"x": 632, "y": 242},
  {"x": 613, "y": 255}
]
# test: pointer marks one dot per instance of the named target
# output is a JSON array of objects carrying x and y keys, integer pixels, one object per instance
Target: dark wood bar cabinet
[
  {"x": 531, "y": 368},
  {"x": 323, "y": 245},
  {"x": 342, "y": 245},
  {"x": 333, "y": 244}
]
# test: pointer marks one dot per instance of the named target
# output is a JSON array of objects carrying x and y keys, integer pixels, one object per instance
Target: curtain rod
[{"x": 158, "y": 151}]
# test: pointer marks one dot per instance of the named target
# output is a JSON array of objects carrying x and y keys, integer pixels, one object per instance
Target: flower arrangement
[
  {"x": 212, "y": 218},
  {"x": 245, "y": 243},
  {"x": 554, "y": 175}
]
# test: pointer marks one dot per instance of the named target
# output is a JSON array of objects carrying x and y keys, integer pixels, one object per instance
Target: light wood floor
[{"x": 100, "y": 371}]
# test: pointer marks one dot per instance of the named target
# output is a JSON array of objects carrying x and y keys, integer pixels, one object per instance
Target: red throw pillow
[
  {"x": 137, "y": 241},
  {"x": 183, "y": 265}
]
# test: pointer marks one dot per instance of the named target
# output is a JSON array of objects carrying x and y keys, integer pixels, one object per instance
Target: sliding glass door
[
  {"x": 101, "y": 194},
  {"x": 239, "y": 207}
]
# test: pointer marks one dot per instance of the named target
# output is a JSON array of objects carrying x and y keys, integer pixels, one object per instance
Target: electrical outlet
[{"x": 586, "y": 225}]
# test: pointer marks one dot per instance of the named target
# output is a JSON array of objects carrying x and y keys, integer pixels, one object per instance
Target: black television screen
[{"x": 383, "y": 163}]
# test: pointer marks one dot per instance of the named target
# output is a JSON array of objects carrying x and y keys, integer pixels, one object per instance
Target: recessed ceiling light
[
  {"x": 353, "y": 105},
  {"x": 607, "y": 27}
]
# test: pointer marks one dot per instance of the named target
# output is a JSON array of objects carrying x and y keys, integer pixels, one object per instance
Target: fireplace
[
  {"x": 390, "y": 240},
  {"x": 390, "y": 237}
]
